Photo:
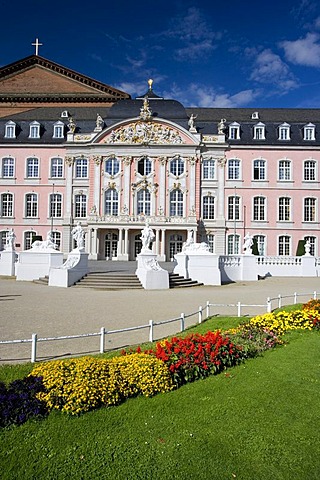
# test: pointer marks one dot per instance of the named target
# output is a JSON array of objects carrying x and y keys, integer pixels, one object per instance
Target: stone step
[{"x": 177, "y": 281}]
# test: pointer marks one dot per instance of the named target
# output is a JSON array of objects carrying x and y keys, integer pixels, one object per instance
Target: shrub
[
  {"x": 197, "y": 356},
  {"x": 19, "y": 402},
  {"x": 82, "y": 384},
  {"x": 254, "y": 339}
]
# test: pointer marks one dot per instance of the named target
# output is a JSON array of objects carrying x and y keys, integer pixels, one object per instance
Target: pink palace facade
[{"x": 220, "y": 173}]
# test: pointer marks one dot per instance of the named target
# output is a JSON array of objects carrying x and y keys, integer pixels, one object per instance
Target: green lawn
[{"x": 259, "y": 420}]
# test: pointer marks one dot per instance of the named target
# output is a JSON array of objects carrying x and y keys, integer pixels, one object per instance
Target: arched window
[
  {"x": 234, "y": 169},
  {"x": 81, "y": 168},
  {"x": 144, "y": 166},
  {"x": 259, "y": 169},
  {"x": 55, "y": 205},
  {"x": 233, "y": 245},
  {"x": 209, "y": 169},
  {"x": 284, "y": 170},
  {"x": 28, "y": 238},
  {"x": 7, "y": 169},
  {"x": 143, "y": 202},
  {"x": 259, "y": 208},
  {"x": 10, "y": 130},
  {"x": 284, "y": 212},
  {"x": 309, "y": 170},
  {"x": 261, "y": 243},
  {"x": 111, "y": 202},
  {"x": 6, "y": 206},
  {"x": 112, "y": 166},
  {"x": 177, "y": 166},
  {"x": 31, "y": 207},
  {"x": 284, "y": 245},
  {"x": 56, "y": 168},
  {"x": 58, "y": 130},
  {"x": 309, "y": 210},
  {"x": 176, "y": 203},
  {"x": 32, "y": 167},
  {"x": 80, "y": 206}
]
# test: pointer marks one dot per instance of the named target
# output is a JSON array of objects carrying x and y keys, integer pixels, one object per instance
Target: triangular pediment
[{"x": 36, "y": 76}]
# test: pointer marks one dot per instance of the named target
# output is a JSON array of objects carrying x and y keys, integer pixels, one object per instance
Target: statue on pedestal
[
  {"x": 11, "y": 236},
  {"x": 248, "y": 242},
  {"x": 147, "y": 236},
  {"x": 78, "y": 235}
]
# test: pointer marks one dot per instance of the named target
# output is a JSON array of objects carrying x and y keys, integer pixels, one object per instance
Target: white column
[
  {"x": 162, "y": 256},
  {"x": 120, "y": 250}
]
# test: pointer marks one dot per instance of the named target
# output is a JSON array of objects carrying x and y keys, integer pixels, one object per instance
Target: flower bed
[{"x": 82, "y": 384}]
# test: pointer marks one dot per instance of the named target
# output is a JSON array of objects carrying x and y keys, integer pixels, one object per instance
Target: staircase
[
  {"x": 105, "y": 281},
  {"x": 177, "y": 281}
]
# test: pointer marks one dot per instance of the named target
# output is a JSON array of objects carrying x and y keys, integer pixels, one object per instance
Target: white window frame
[
  {"x": 81, "y": 167},
  {"x": 284, "y": 132},
  {"x": 7, "y": 167},
  {"x": 31, "y": 205},
  {"x": 10, "y": 130},
  {"x": 6, "y": 205},
  {"x": 259, "y": 208},
  {"x": 234, "y": 131},
  {"x": 309, "y": 170},
  {"x": 111, "y": 202},
  {"x": 55, "y": 205},
  {"x": 32, "y": 167},
  {"x": 177, "y": 166},
  {"x": 284, "y": 209},
  {"x": 309, "y": 132},
  {"x": 34, "y": 130},
  {"x": 259, "y": 131},
  {"x": 209, "y": 169},
  {"x": 284, "y": 170},
  {"x": 208, "y": 207},
  {"x": 28, "y": 239},
  {"x": 58, "y": 130},
  {"x": 234, "y": 168},
  {"x": 233, "y": 207},
  {"x": 144, "y": 166},
  {"x": 261, "y": 244},
  {"x": 56, "y": 167},
  {"x": 284, "y": 245},
  {"x": 176, "y": 203},
  {"x": 80, "y": 205},
  {"x": 112, "y": 166},
  {"x": 233, "y": 244},
  {"x": 144, "y": 202},
  {"x": 310, "y": 209},
  {"x": 259, "y": 169}
]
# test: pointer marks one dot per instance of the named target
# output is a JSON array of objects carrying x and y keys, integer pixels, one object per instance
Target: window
[
  {"x": 143, "y": 202},
  {"x": 58, "y": 130},
  {"x": 28, "y": 239},
  {"x": 284, "y": 245},
  {"x": 3, "y": 239},
  {"x": 312, "y": 241},
  {"x": 234, "y": 169},
  {"x": 210, "y": 241},
  {"x": 81, "y": 168},
  {"x": 261, "y": 243},
  {"x": 112, "y": 166},
  {"x": 56, "y": 238},
  {"x": 144, "y": 166},
  {"x": 309, "y": 210},
  {"x": 175, "y": 245},
  {"x": 111, "y": 202},
  {"x": 309, "y": 132},
  {"x": 10, "y": 130},
  {"x": 55, "y": 205},
  {"x": 80, "y": 206},
  {"x": 284, "y": 170},
  {"x": 259, "y": 131},
  {"x": 209, "y": 169},
  {"x": 259, "y": 170},
  {"x": 234, "y": 131},
  {"x": 34, "y": 130},
  {"x": 208, "y": 208},
  {"x": 284, "y": 211},
  {"x": 176, "y": 203},
  {"x": 8, "y": 167},
  {"x": 233, "y": 244},
  {"x": 32, "y": 167},
  {"x": 284, "y": 132},
  {"x": 234, "y": 208},
  {"x": 56, "y": 170},
  {"x": 309, "y": 170},
  {"x": 31, "y": 210},
  {"x": 177, "y": 166},
  {"x": 6, "y": 205},
  {"x": 259, "y": 206}
]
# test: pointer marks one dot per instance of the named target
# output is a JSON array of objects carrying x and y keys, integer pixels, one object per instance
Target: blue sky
[{"x": 205, "y": 53}]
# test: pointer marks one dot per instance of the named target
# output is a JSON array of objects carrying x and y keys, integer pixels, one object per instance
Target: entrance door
[
  {"x": 137, "y": 245},
  {"x": 175, "y": 245},
  {"x": 111, "y": 245}
]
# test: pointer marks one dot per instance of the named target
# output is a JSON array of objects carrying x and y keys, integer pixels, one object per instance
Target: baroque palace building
[{"x": 74, "y": 150}]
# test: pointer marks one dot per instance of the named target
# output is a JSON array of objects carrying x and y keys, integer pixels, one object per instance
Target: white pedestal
[
  {"x": 7, "y": 262},
  {"x": 32, "y": 265},
  {"x": 202, "y": 267},
  {"x": 149, "y": 272},
  {"x": 73, "y": 269}
]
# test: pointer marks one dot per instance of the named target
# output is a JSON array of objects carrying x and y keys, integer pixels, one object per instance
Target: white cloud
[
  {"x": 305, "y": 51},
  {"x": 270, "y": 69}
]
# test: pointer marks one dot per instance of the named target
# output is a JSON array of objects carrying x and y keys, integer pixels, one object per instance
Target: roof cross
[{"x": 37, "y": 45}]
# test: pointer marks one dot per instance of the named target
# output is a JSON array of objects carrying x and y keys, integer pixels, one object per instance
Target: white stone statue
[
  {"x": 147, "y": 236},
  {"x": 11, "y": 236},
  {"x": 78, "y": 235},
  {"x": 191, "y": 122},
  {"x": 307, "y": 248},
  {"x": 248, "y": 242},
  {"x": 221, "y": 126}
]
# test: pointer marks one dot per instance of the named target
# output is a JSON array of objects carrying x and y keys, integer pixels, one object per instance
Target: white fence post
[
  {"x": 208, "y": 309},
  {"x": 200, "y": 314},
  {"x": 295, "y": 298},
  {"x": 102, "y": 332},
  {"x": 34, "y": 348},
  {"x": 239, "y": 309},
  {"x": 182, "y": 322},
  {"x": 315, "y": 295},
  {"x": 269, "y": 306},
  {"x": 150, "y": 330},
  {"x": 279, "y": 301}
]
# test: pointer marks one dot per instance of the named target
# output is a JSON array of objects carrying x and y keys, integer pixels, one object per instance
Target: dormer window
[
  {"x": 10, "y": 130},
  {"x": 65, "y": 114},
  {"x": 259, "y": 131},
  {"x": 234, "y": 131},
  {"x": 34, "y": 131},
  {"x": 58, "y": 130},
  {"x": 284, "y": 131},
  {"x": 255, "y": 116},
  {"x": 309, "y": 132}
]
